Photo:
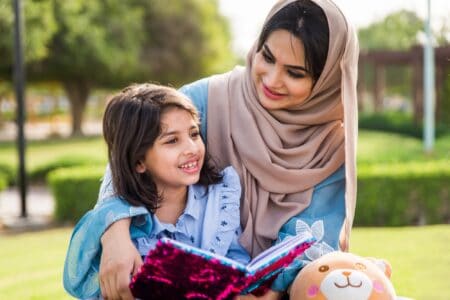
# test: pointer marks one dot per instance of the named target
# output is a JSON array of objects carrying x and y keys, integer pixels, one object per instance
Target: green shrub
[
  {"x": 39, "y": 173},
  {"x": 403, "y": 194},
  {"x": 9, "y": 173},
  {"x": 75, "y": 190},
  {"x": 3, "y": 182},
  {"x": 397, "y": 122}
]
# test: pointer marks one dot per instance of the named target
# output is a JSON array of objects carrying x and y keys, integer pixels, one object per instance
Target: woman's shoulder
[{"x": 197, "y": 89}]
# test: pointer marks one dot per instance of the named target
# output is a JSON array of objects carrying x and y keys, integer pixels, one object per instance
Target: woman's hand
[
  {"x": 270, "y": 295},
  {"x": 120, "y": 259}
]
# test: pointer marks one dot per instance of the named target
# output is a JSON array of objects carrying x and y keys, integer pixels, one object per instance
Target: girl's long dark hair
[{"x": 131, "y": 125}]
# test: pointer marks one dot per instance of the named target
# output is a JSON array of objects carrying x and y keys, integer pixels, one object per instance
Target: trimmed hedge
[
  {"x": 9, "y": 173},
  {"x": 75, "y": 190},
  {"x": 397, "y": 122},
  {"x": 395, "y": 194},
  {"x": 40, "y": 172},
  {"x": 3, "y": 181},
  {"x": 403, "y": 194}
]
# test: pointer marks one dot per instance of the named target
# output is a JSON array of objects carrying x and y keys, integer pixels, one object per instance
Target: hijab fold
[{"x": 281, "y": 155}]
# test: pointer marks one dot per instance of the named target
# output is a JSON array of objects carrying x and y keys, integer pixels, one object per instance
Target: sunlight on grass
[
  {"x": 42, "y": 152},
  {"x": 420, "y": 257},
  {"x": 32, "y": 265}
]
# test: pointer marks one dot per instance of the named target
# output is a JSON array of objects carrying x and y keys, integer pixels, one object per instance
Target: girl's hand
[{"x": 120, "y": 259}]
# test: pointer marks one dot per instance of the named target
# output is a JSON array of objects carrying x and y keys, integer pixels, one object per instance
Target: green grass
[
  {"x": 420, "y": 257},
  {"x": 380, "y": 147},
  {"x": 43, "y": 156},
  {"x": 41, "y": 153},
  {"x": 32, "y": 263}
]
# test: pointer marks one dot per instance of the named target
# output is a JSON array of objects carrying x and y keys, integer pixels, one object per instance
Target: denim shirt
[{"x": 211, "y": 221}]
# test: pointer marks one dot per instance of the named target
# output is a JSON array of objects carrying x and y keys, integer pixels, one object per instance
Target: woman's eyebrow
[{"x": 269, "y": 53}]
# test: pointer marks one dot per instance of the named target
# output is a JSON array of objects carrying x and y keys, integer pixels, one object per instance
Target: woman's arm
[
  {"x": 120, "y": 259},
  {"x": 323, "y": 219}
]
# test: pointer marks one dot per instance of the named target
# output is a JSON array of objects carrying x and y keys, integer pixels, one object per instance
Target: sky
[{"x": 246, "y": 16}]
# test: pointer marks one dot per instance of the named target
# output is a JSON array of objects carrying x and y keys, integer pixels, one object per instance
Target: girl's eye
[
  {"x": 269, "y": 59},
  {"x": 195, "y": 134},
  {"x": 296, "y": 75}
]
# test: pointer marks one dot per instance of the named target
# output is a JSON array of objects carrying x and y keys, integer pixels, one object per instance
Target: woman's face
[{"x": 279, "y": 72}]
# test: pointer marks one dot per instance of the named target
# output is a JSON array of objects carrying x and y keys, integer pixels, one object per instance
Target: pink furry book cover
[{"x": 174, "y": 270}]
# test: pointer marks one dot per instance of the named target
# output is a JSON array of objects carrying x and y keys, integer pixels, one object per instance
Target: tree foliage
[
  {"x": 110, "y": 43},
  {"x": 397, "y": 31}
]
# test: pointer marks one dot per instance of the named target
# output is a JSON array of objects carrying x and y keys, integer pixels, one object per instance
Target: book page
[{"x": 278, "y": 250}]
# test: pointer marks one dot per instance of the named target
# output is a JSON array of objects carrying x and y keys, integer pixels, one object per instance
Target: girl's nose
[{"x": 191, "y": 147}]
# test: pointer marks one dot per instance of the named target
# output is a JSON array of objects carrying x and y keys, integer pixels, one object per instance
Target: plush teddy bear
[{"x": 344, "y": 276}]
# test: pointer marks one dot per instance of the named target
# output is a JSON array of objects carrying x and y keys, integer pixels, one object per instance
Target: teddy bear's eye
[
  {"x": 324, "y": 268},
  {"x": 360, "y": 266}
]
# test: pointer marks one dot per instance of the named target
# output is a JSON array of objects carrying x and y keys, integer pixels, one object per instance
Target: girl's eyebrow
[
  {"x": 174, "y": 132},
  {"x": 269, "y": 53}
]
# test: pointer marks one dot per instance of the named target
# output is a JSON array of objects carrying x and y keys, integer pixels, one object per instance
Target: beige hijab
[{"x": 281, "y": 155}]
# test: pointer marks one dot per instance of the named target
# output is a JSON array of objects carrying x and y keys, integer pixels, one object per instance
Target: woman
[{"x": 287, "y": 123}]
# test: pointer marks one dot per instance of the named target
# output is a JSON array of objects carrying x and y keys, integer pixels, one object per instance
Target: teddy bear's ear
[{"x": 383, "y": 265}]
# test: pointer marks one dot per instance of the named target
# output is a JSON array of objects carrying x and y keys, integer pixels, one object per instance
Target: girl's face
[
  {"x": 177, "y": 156},
  {"x": 279, "y": 72}
]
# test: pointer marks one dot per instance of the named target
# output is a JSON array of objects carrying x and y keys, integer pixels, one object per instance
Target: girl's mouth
[{"x": 190, "y": 167}]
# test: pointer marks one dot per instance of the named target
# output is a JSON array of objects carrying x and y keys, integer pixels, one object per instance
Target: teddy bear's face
[{"x": 342, "y": 276}]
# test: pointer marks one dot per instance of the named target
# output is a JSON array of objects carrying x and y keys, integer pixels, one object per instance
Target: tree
[
  {"x": 398, "y": 31},
  {"x": 111, "y": 43}
]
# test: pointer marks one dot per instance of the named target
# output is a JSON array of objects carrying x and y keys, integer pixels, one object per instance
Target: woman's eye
[
  {"x": 171, "y": 141},
  {"x": 296, "y": 74},
  {"x": 269, "y": 59}
]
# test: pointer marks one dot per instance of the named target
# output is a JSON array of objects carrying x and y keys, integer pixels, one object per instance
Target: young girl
[{"x": 158, "y": 165}]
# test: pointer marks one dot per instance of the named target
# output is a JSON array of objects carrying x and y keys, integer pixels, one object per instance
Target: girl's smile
[{"x": 176, "y": 158}]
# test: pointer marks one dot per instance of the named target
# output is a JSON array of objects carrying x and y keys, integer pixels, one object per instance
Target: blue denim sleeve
[
  {"x": 323, "y": 219},
  {"x": 82, "y": 262},
  {"x": 198, "y": 93}
]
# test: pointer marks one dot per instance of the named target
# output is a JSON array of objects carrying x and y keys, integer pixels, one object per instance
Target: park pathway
[{"x": 40, "y": 206}]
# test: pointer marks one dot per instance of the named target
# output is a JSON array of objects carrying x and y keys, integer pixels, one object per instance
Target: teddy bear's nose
[{"x": 346, "y": 273}]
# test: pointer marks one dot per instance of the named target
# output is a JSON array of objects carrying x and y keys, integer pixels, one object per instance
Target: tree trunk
[{"x": 78, "y": 93}]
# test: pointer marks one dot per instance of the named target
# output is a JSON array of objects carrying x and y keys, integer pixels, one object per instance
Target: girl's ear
[{"x": 140, "y": 167}]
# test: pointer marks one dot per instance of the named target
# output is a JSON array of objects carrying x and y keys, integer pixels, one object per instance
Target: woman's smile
[{"x": 271, "y": 94}]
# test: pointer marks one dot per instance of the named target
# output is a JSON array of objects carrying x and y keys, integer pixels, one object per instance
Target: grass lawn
[
  {"x": 32, "y": 263},
  {"x": 44, "y": 152}
]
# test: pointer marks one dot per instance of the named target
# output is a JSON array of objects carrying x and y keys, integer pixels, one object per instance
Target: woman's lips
[{"x": 271, "y": 94}]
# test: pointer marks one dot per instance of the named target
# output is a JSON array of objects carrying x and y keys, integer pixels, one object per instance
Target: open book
[{"x": 174, "y": 270}]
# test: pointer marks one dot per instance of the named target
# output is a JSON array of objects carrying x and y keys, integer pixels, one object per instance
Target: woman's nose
[{"x": 273, "y": 78}]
